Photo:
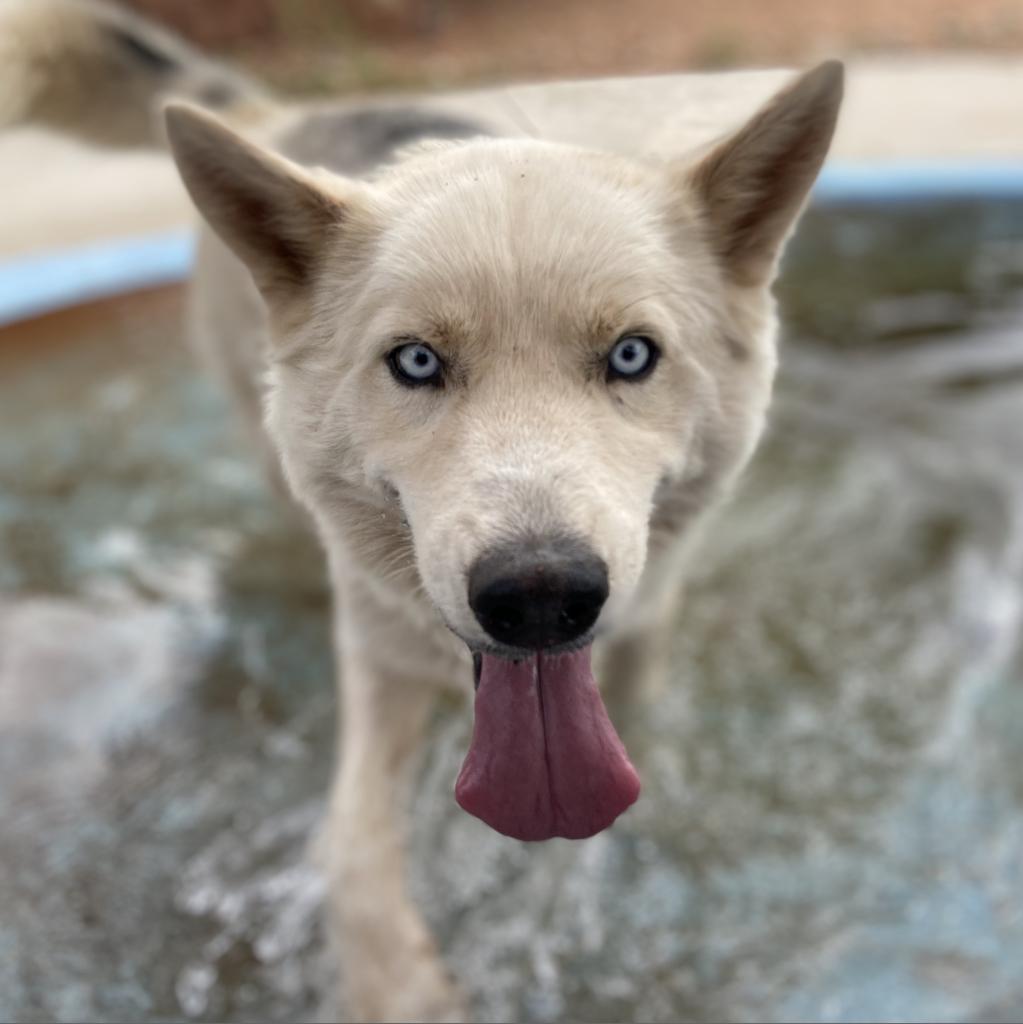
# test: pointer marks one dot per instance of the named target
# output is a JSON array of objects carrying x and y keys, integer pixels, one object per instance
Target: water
[{"x": 832, "y": 819}]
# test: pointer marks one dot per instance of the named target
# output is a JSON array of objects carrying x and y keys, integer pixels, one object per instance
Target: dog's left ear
[
  {"x": 752, "y": 186},
  {"x": 274, "y": 215}
]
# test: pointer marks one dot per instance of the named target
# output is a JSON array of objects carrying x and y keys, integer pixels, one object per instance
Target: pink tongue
[{"x": 545, "y": 759}]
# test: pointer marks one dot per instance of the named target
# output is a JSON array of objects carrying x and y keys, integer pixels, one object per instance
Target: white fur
[{"x": 521, "y": 263}]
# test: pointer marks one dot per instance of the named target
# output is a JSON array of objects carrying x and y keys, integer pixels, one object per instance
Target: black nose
[{"x": 538, "y": 593}]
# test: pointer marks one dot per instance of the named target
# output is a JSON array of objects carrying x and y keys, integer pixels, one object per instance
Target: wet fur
[{"x": 520, "y": 261}]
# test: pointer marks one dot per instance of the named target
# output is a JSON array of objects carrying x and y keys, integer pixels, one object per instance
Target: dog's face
[
  {"x": 531, "y": 347},
  {"x": 527, "y": 348}
]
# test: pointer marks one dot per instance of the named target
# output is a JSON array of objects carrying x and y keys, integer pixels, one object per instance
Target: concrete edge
[{"x": 44, "y": 282}]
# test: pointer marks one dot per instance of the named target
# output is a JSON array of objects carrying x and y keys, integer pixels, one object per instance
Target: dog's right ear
[
  {"x": 752, "y": 186},
  {"x": 274, "y": 216}
]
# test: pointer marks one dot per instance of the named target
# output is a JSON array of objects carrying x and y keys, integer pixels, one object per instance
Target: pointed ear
[
  {"x": 271, "y": 213},
  {"x": 752, "y": 186}
]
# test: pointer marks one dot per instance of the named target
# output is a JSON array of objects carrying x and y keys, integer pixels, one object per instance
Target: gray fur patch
[
  {"x": 143, "y": 52},
  {"x": 218, "y": 95},
  {"x": 736, "y": 349},
  {"x": 356, "y": 141}
]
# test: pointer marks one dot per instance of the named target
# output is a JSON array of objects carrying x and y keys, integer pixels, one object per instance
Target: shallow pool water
[{"x": 831, "y": 826}]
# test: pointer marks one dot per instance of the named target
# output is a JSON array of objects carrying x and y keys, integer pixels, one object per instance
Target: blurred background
[
  {"x": 311, "y": 46},
  {"x": 832, "y": 820}
]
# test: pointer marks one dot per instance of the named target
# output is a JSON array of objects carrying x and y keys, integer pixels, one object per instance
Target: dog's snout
[{"x": 538, "y": 594}]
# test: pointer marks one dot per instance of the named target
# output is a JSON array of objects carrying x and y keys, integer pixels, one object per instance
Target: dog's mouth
[{"x": 545, "y": 759}]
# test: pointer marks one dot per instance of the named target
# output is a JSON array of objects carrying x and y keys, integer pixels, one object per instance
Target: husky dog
[{"x": 508, "y": 380}]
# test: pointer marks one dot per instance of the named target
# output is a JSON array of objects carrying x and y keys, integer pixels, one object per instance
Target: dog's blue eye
[
  {"x": 632, "y": 357},
  {"x": 415, "y": 363}
]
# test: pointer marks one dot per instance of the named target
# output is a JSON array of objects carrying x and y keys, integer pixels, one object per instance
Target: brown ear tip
[
  {"x": 189, "y": 125},
  {"x": 829, "y": 74},
  {"x": 176, "y": 115}
]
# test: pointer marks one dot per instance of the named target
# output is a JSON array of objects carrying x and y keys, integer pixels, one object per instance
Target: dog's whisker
[{"x": 400, "y": 570}]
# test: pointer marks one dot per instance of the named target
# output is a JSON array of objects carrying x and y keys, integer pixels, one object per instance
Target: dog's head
[
  {"x": 530, "y": 345},
  {"x": 546, "y": 355}
]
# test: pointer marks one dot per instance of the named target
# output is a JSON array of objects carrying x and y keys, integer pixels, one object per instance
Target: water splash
[{"x": 832, "y": 812}]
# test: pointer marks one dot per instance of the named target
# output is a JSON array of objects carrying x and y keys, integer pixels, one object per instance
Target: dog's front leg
[{"x": 391, "y": 967}]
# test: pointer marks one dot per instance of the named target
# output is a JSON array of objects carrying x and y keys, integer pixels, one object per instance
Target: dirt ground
[{"x": 467, "y": 41}]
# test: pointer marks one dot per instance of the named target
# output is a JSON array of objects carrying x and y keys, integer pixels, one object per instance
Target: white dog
[{"x": 508, "y": 379}]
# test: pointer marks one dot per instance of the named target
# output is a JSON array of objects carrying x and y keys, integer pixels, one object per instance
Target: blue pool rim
[{"x": 45, "y": 282}]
